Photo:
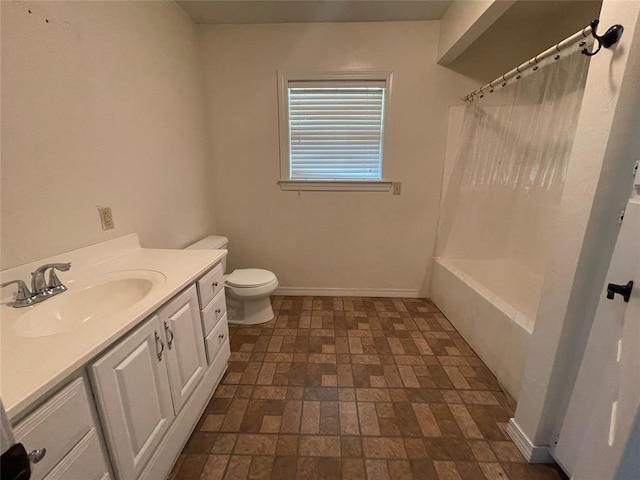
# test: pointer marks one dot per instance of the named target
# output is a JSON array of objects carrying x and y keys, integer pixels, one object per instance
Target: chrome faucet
[{"x": 40, "y": 289}]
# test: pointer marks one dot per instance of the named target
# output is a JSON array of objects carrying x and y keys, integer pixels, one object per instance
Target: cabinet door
[
  {"x": 134, "y": 398},
  {"x": 185, "y": 343}
]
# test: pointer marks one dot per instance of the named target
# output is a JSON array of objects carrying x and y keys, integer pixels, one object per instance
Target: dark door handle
[{"x": 624, "y": 290}]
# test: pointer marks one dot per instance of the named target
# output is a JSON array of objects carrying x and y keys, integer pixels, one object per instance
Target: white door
[
  {"x": 596, "y": 440},
  {"x": 185, "y": 345},
  {"x": 132, "y": 391}
]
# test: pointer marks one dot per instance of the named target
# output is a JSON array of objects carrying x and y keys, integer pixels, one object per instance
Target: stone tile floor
[{"x": 355, "y": 388}]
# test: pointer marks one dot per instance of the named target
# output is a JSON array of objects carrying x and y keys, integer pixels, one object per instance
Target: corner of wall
[{"x": 464, "y": 22}]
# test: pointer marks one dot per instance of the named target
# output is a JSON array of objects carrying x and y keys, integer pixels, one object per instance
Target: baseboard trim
[
  {"x": 347, "y": 292},
  {"x": 532, "y": 453}
]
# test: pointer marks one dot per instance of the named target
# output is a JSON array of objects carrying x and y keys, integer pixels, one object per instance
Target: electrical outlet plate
[
  {"x": 397, "y": 188},
  {"x": 106, "y": 218}
]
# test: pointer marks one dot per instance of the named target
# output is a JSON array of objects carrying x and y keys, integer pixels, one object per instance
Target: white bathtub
[{"x": 493, "y": 304}]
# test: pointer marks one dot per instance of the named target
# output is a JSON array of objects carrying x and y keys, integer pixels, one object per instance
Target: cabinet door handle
[
  {"x": 215, "y": 284},
  {"x": 169, "y": 332},
  {"x": 158, "y": 341},
  {"x": 218, "y": 310},
  {"x": 36, "y": 455},
  {"x": 221, "y": 336}
]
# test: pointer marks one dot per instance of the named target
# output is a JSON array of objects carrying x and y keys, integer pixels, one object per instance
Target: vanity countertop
[{"x": 32, "y": 366}]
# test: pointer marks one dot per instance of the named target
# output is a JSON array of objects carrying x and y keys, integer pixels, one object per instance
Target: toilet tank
[{"x": 212, "y": 242}]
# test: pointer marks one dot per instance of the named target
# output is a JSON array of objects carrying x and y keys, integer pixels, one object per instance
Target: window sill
[{"x": 335, "y": 185}]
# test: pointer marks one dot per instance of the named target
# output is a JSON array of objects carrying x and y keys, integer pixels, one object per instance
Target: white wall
[
  {"x": 365, "y": 241},
  {"x": 100, "y": 106}
]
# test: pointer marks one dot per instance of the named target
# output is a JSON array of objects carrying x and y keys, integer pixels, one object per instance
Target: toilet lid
[{"x": 249, "y": 277}]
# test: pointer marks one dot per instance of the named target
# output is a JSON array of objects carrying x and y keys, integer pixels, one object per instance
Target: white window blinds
[{"x": 336, "y": 130}]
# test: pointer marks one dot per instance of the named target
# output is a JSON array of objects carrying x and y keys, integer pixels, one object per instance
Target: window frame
[{"x": 285, "y": 182}]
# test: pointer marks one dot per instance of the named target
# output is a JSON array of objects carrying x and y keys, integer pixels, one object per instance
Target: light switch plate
[{"x": 397, "y": 188}]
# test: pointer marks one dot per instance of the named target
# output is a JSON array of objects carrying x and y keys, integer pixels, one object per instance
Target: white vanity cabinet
[
  {"x": 118, "y": 395},
  {"x": 152, "y": 387},
  {"x": 132, "y": 390}
]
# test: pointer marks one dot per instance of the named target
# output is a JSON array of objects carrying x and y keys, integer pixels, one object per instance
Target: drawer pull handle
[
  {"x": 158, "y": 341},
  {"x": 215, "y": 284},
  {"x": 169, "y": 332},
  {"x": 36, "y": 455},
  {"x": 218, "y": 310}
]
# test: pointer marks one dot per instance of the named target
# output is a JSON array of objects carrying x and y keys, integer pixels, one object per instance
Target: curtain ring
[{"x": 535, "y": 64}]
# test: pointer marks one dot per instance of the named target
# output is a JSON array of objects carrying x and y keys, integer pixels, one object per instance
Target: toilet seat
[
  {"x": 249, "y": 278},
  {"x": 262, "y": 291}
]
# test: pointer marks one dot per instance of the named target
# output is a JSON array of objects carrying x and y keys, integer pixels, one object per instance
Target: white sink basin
[{"x": 88, "y": 301}]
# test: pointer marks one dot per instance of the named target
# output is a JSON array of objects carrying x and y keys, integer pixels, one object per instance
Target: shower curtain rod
[{"x": 532, "y": 63}]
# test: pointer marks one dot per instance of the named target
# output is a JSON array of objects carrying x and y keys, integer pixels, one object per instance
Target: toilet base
[{"x": 249, "y": 312}]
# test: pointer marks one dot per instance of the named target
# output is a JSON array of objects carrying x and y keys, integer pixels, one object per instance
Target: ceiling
[{"x": 288, "y": 11}]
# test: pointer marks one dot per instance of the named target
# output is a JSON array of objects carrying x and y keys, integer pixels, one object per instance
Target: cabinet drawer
[
  {"x": 57, "y": 426},
  {"x": 216, "y": 339},
  {"x": 210, "y": 284},
  {"x": 85, "y": 461},
  {"x": 213, "y": 312}
]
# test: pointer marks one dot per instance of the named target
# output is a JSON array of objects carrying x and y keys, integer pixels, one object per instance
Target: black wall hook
[{"x": 610, "y": 37}]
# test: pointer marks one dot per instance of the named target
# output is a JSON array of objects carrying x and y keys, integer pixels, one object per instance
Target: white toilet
[{"x": 247, "y": 290}]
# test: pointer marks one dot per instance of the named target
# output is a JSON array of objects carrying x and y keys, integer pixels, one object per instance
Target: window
[{"x": 332, "y": 131}]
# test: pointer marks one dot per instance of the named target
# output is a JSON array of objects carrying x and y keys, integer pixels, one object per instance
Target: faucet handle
[
  {"x": 63, "y": 267},
  {"x": 24, "y": 295},
  {"x": 38, "y": 284},
  {"x": 54, "y": 282}
]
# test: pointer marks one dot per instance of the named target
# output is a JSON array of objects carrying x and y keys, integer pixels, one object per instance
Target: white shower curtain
[{"x": 499, "y": 204}]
